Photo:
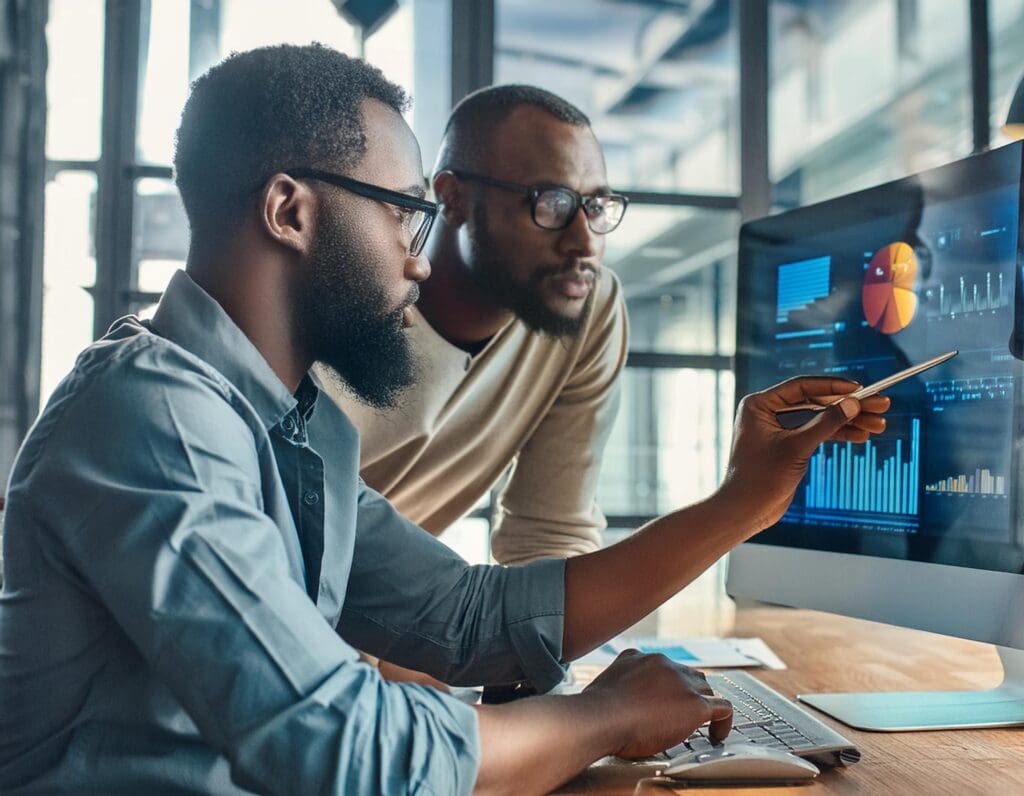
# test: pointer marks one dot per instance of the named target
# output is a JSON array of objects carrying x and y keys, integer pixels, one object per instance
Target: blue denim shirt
[{"x": 191, "y": 564}]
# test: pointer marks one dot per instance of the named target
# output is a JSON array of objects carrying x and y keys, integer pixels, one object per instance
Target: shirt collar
[{"x": 190, "y": 317}]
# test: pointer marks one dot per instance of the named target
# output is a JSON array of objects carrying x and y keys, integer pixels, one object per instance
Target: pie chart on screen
[{"x": 888, "y": 296}]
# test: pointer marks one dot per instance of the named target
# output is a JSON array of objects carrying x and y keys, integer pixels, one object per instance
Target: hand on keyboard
[
  {"x": 765, "y": 718},
  {"x": 658, "y": 703}
]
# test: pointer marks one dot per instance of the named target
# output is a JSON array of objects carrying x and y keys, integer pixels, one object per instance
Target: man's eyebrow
[
  {"x": 415, "y": 190},
  {"x": 604, "y": 188}
]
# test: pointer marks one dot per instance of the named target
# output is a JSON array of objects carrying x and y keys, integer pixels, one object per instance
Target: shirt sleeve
[
  {"x": 414, "y": 602},
  {"x": 547, "y": 509},
  {"x": 169, "y": 537}
]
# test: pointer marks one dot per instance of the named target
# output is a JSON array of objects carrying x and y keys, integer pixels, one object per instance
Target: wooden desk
[{"x": 832, "y": 653}]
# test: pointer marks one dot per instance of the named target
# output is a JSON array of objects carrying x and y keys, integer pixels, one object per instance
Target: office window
[
  {"x": 864, "y": 91},
  {"x": 1006, "y": 26},
  {"x": 664, "y": 452},
  {"x": 677, "y": 266},
  {"x": 69, "y": 270},
  {"x": 74, "y": 91},
  {"x": 183, "y": 39},
  {"x": 74, "y": 79},
  {"x": 658, "y": 81},
  {"x": 159, "y": 238}
]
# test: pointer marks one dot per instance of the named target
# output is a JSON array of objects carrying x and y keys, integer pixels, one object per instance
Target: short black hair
[
  {"x": 475, "y": 118},
  {"x": 265, "y": 110}
]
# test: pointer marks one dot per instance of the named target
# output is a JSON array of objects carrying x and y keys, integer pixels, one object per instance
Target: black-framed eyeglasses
[
  {"x": 555, "y": 206},
  {"x": 417, "y": 219}
]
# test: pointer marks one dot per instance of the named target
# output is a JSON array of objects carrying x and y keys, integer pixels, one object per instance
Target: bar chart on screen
[
  {"x": 977, "y": 293},
  {"x": 876, "y": 482},
  {"x": 980, "y": 482},
  {"x": 801, "y": 284}
]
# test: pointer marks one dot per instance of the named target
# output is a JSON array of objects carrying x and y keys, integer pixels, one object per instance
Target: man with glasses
[
  {"x": 521, "y": 332},
  {"x": 191, "y": 557}
]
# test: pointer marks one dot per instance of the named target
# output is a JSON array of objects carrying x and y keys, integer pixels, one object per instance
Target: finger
[
  {"x": 703, "y": 687},
  {"x": 720, "y": 710},
  {"x": 875, "y": 404},
  {"x": 871, "y": 423},
  {"x": 808, "y": 388},
  {"x": 828, "y": 423},
  {"x": 849, "y": 434}
]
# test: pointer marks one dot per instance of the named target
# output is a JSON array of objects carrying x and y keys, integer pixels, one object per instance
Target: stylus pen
[{"x": 799, "y": 414}]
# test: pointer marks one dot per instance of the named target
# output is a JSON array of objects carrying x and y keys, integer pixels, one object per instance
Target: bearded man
[{"x": 521, "y": 333}]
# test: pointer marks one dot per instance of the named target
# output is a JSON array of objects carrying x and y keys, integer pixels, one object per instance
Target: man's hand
[
  {"x": 640, "y": 705},
  {"x": 611, "y": 589},
  {"x": 658, "y": 703},
  {"x": 768, "y": 461}
]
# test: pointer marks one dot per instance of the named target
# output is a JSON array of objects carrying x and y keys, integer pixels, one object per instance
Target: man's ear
[
  {"x": 450, "y": 193},
  {"x": 287, "y": 209}
]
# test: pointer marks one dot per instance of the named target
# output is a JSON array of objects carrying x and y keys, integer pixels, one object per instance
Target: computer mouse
[{"x": 740, "y": 763}]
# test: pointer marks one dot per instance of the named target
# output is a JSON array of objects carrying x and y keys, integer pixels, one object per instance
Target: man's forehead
[
  {"x": 531, "y": 145},
  {"x": 392, "y": 157}
]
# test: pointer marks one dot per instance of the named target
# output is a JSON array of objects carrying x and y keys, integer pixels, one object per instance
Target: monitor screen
[{"x": 865, "y": 285}]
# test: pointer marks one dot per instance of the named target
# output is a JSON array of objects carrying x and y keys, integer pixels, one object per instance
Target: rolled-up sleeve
[
  {"x": 170, "y": 538},
  {"x": 416, "y": 603}
]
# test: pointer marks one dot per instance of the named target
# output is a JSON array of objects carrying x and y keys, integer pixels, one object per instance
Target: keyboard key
[{"x": 678, "y": 749}]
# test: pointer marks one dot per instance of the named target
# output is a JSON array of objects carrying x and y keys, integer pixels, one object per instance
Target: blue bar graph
[
  {"x": 801, "y": 284},
  {"x": 869, "y": 481}
]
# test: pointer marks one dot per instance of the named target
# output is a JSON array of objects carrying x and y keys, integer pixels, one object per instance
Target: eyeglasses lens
[
  {"x": 604, "y": 212},
  {"x": 553, "y": 208},
  {"x": 421, "y": 230}
]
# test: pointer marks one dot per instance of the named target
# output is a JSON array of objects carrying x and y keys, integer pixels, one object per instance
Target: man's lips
[
  {"x": 574, "y": 284},
  {"x": 407, "y": 317}
]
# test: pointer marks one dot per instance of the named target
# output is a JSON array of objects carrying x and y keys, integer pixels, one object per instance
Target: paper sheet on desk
[{"x": 700, "y": 653}]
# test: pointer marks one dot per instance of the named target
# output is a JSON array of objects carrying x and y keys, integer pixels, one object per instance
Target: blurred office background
[{"x": 710, "y": 112}]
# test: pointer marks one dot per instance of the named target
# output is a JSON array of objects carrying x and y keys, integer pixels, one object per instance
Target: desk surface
[{"x": 831, "y": 653}]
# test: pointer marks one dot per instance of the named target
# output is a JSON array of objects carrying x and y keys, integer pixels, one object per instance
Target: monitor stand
[{"x": 901, "y": 711}]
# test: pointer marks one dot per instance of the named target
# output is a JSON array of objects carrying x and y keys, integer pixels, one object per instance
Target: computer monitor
[{"x": 922, "y": 527}]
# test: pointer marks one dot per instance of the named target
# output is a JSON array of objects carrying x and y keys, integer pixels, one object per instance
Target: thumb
[{"x": 827, "y": 423}]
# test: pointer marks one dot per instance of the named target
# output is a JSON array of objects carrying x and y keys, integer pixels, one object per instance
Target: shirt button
[
  {"x": 311, "y": 498},
  {"x": 288, "y": 425}
]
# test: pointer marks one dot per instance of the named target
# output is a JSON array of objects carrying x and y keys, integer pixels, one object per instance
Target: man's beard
[
  {"x": 524, "y": 299},
  {"x": 345, "y": 316}
]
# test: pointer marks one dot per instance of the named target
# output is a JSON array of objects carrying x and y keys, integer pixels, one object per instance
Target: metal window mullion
[
  {"x": 22, "y": 209},
  {"x": 473, "y": 32},
  {"x": 705, "y": 201},
  {"x": 116, "y": 189},
  {"x": 54, "y": 167},
  {"x": 655, "y": 360},
  {"x": 755, "y": 183},
  {"x": 981, "y": 83},
  {"x": 717, "y": 320}
]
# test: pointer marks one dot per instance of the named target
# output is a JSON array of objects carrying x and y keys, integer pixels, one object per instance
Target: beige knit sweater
[{"x": 540, "y": 406}]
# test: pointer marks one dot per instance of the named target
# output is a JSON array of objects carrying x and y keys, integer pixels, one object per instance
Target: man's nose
[
  {"x": 578, "y": 238},
  {"x": 417, "y": 268}
]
